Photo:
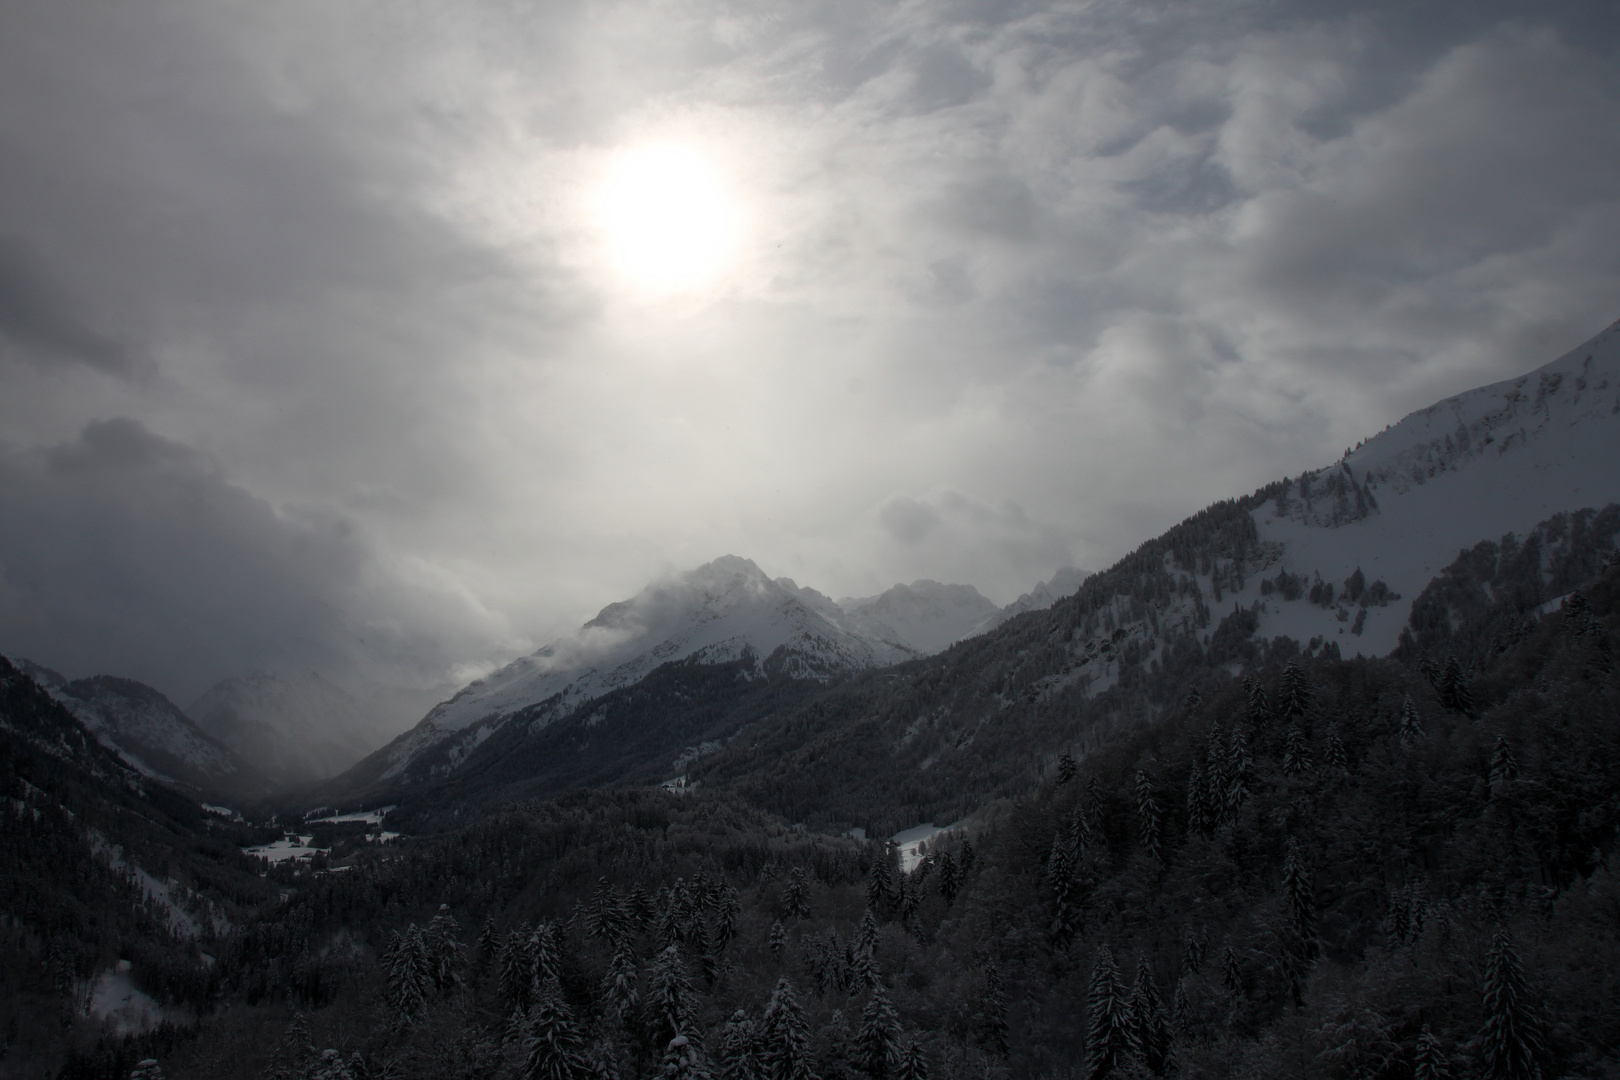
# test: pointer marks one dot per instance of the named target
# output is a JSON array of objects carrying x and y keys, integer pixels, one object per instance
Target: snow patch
[
  {"x": 913, "y": 843},
  {"x": 117, "y": 1002}
]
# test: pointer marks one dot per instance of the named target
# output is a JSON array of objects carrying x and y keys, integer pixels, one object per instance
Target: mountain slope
[
  {"x": 99, "y": 865},
  {"x": 1329, "y": 563},
  {"x": 721, "y": 613},
  {"x": 150, "y": 733},
  {"x": 1472, "y": 467}
]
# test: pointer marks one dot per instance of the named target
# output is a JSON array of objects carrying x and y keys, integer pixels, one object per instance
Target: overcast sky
[{"x": 394, "y": 338}]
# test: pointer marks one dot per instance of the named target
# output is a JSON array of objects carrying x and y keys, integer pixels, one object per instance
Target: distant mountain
[
  {"x": 1066, "y": 582},
  {"x": 924, "y": 616},
  {"x": 150, "y": 733},
  {"x": 723, "y": 612},
  {"x": 295, "y": 729}
]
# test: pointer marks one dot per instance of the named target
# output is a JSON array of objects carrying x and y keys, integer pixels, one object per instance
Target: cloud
[
  {"x": 124, "y": 551},
  {"x": 1018, "y": 283},
  {"x": 950, "y": 536},
  {"x": 39, "y": 319}
]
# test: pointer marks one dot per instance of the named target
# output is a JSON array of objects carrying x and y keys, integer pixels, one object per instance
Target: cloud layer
[{"x": 312, "y": 351}]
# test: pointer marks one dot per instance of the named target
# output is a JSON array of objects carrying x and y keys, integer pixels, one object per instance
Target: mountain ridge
[{"x": 150, "y": 733}]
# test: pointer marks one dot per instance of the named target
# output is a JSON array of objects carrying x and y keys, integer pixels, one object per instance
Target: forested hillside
[
  {"x": 99, "y": 865},
  {"x": 1324, "y": 867}
]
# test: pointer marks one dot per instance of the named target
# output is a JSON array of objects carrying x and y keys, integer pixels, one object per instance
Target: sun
[{"x": 670, "y": 222}]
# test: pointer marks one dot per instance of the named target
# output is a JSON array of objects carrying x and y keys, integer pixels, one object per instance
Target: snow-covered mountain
[
  {"x": 1340, "y": 553},
  {"x": 1401, "y": 506},
  {"x": 925, "y": 615},
  {"x": 148, "y": 731},
  {"x": 723, "y": 611},
  {"x": 294, "y": 728}
]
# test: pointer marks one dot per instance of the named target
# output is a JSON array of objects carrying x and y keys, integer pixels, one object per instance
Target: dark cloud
[
  {"x": 129, "y": 553},
  {"x": 43, "y": 323}
]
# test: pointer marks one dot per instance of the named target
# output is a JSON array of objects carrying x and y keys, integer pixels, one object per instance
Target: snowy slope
[
  {"x": 1399, "y": 509},
  {"x": 925, "y": 615},
  {"x": 294, "y": 728},
  {"x": 1490, "y": 461},
  {"x": 720, "y": 612},
  {"x": 148, "y": 731}
]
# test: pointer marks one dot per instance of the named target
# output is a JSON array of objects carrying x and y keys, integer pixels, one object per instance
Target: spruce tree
[
  {"x": 1180, "y": 1009},
  {"x": 1510, "y": 1041},
  {"x": 330, "y": 1066},
  {"x": 488, "y": 941},
  {"x": 1411, "y": 729},
  {"x": 993, "y": 1027},
  {"x": 545, "y": 954},
  {"x": 1504, "y": 764},
  {"x": 444, "y": 949},
  {"x": 949, "y": 881},
  {"x": 1231, "y": 972},
  {"x": 864, "y": 958},
  {"x": 739, "y": 1050},
  {"x": 553, "y": 1049},
  {"x": 880, "y": 885},
  {"x": 1192, "y": 951},
  {"x": 729, "y": 914},
  {"x": 1301, "y": 899},
  {"x": 1239, "y": 773},
  {"x": 1147, "y": 814},
  {"x": 1066, "y": 768},
  {"x": 1108, "y": 1027},
  {"x": 1454, "y": 688},
  {"x": 778, "y": 940},
  {"x": 1060, "y": 878},
  {"x": 1334, "y": 759},
  {"x": 1150, "y": 1033},
  {"x": 1429, "y": 1061},
  {"x": 671, "y": 928},
  {"x": 605, "y": 916},
  {"x": 1198, "y": 819},
  {"x": 796, "y": 900},
  {"x": 410, "y": 974},
  {"x": 619, "y": 984},
  {"x": 669, "y": 997},
  {"x": 908, "y": 902},
  {"x": 913, "y": 1061},
  {"x": 684, "y": 1060},
  {"x": 1296, "y": 691},
  {"x": 517, "y": 976},
  {"x": 878, "y": 1040},
  {"x": 1296, "y": 750},
  {"x": 1259, "y": 706},
  {"x": 785, "y": 1036}
]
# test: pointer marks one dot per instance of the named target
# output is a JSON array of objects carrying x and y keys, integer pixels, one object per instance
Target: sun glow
[{"x": 670, "y": 223}]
